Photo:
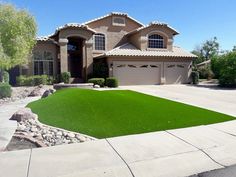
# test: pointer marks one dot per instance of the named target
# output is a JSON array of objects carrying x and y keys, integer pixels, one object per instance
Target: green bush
[
  {"x": 195, "y": 77},
  {"x": 21, "y": 80},
  {"x": 5, "y": 77},
  {"x": 227, "y": 78},
  {"x": 32, "y": 80},
  {"x": 111, "y": 82},
  {"x": 5, "y": 90},
  {"x": 216, "y": 66},
  {"x": 97, "y": 81},
  {"x": 226, "y": 65},
  {"x": 38, "y": 80},
  {"x": 65, "y": 77}
]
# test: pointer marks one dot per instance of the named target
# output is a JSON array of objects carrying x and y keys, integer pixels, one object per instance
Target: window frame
[
  {"x": 156, "y": 41},
  {"x": 103, "y": 48},
  {"x": 43, "y": 64}
]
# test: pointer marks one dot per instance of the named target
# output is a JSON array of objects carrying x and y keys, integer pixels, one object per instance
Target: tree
[
  {"x": 234, "y": 48},
  {"x": 207, "y": 50},
  {"x": 17, "y": 36}
]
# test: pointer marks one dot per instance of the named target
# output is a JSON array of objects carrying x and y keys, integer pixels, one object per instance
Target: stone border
[
  {"x": 61, "y": 129},
  {"x": 30, "y": 128}
]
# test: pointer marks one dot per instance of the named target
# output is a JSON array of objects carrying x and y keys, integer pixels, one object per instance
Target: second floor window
[
  {"x": 99, "y": 40},
  {"x": 155, "y": 41}
]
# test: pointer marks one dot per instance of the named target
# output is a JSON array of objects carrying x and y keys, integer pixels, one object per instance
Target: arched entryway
[{"x": 75, "y": 57}]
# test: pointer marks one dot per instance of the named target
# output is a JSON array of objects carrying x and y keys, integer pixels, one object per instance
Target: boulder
[
  {"x": 52, "y": 90},
  {"x": 46, "y": 94},
  {"x": 23, "y": 114},
  {"x": 37, "y": 91}
]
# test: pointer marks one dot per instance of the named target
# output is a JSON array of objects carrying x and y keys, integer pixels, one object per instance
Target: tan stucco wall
[
  {"x": 114, "y": 34},
  {"x": 42, "y": 46}
]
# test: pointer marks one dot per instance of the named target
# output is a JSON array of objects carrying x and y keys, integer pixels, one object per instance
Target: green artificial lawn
[{"x": 105, "y": 114}]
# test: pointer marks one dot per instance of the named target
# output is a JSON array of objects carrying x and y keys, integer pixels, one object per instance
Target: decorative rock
[
  {"x": 38, "y": 91},
  {"x": 96, "y": 86},
  {"x": 73, "y": 140},
  {"x": 23, "y": 114},
  {"x": 82, "y": 138},
  {"x": 59, "y": 133},
  {"x": 33, "y": 129},
  {"x": 71, "y": 135},
  {"x": 46, "y": 94},
  {"x": 52, "y": 90},
  {"x": 21, "y": 127}
]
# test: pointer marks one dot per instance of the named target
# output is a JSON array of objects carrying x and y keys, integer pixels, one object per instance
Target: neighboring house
[
  {"x": 204, "y": 64},
  {"x": 135, "y": 54}
]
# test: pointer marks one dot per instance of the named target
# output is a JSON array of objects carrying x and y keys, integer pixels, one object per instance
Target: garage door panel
[
  {"x": 176, "y": 73},
  {"x": 137, "y": 73}
]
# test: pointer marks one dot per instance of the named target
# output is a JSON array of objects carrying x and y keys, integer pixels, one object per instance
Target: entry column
[{"x": 63, "y": 55}]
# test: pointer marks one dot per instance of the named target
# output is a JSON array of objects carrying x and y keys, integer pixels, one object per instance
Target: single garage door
[
  {"x": 176, "y": 73},
  {"x": 137, "y": 73}
]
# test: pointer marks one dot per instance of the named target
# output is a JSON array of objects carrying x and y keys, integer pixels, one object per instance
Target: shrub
[
  {"x": 5, "y": 77},
  {"x": 227, "y": 78},
  {"x": 111, "y": 82},
  {"x": 21, "y": 80},
  {"x": 97, "y": 81},
  {"x": 195, "y": 77},
  {"x": 226, "y": 65},
  {"x": 38, "y": 80},
  {"x": 65, "y": 77},
  {"x": 5, "y": 90},
  {"x": 32, "y": 80},
  {"x": 50, "y": 80},
  {"x": 216, "y": 66}
]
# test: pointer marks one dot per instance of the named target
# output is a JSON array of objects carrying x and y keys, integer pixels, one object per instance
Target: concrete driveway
[{"x": 205, "y": 96}]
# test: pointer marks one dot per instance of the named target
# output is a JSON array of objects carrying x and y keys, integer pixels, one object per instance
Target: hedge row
[
  {"x": 109, "y": 82},
  {"x": 33, "y": 80}
]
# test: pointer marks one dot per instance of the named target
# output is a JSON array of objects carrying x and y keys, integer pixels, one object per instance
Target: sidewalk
[
  {"x": 8, "y": 127},
  {"x": 174, "y": 153}
]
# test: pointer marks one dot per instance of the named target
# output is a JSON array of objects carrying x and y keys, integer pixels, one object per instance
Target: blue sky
[{"x": 196, "y": 20}]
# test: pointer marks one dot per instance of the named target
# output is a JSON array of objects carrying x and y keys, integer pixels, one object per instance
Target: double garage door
[{"x": 148, "y": 73}]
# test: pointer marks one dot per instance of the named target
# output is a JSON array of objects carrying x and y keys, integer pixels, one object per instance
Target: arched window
[
  {"x": 155, "y": 41},
  {"x": 99, "y": 40},
  {"x": 43, "y": 63}
]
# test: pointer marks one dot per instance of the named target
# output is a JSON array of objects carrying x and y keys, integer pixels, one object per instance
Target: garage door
[
  {"x": 137, "y": 73},
  {"x": 176, "y": 73}
]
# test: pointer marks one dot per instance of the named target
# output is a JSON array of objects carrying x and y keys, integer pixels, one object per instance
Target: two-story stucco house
[{"x": 135, "y": 54}]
